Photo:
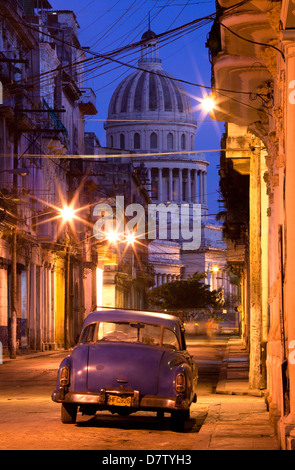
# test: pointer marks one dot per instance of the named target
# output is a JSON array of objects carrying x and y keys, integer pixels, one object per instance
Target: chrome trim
[{"x": 147, "y": 402}]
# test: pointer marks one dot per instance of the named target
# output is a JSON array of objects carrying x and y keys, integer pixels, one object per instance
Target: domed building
[{"x": 150, "y": 115}]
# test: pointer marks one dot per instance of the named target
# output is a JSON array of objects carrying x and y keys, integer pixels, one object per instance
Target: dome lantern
[{"x": 149, "y": 47}]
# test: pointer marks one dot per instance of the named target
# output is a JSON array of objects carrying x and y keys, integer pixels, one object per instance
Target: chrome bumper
[{"x": 99, "y": 400}]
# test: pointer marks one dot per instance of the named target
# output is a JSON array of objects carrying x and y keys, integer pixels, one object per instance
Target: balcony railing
[{"x": 55, "y": 121}]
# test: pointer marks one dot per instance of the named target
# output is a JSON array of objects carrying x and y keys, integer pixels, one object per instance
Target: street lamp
[
  {"x": 209, "y": 102},
  {"x": 112, "y": 237},
  {"x": 67, "y": 213},
  {"x": 215, "y": 269},
  {"x": 131, "y": 238}
]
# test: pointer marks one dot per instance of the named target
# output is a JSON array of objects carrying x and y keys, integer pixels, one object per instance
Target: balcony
[
  {"x": 87, "y": 102},
  {"x": 244, "y": 65},
  {"x": 235, "y": 73},
  {"x": 256, "y": 5}
]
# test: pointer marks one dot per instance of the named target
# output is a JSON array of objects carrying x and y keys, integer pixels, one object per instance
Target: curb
[{"x": 7, "y": 360}]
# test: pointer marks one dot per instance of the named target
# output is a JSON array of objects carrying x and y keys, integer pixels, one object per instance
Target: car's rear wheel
[
  {"x": 68, "y": 413},
  {"x": 178, "y": 419}
]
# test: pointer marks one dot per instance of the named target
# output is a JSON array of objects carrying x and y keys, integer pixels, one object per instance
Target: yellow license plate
[{"x": 115, "y": 400}]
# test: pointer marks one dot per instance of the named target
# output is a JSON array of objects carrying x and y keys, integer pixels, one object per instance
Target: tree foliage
[{"x": 191, "y": 293}]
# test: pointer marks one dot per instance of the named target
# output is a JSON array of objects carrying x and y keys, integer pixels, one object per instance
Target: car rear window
[{"x": 130, "y": 332}]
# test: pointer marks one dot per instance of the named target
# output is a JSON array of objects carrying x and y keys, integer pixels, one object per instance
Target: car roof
[{"x": 170, "y": 321}]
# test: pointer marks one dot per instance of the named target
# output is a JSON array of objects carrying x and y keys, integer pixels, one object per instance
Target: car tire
[
  {"x": 178, "y": 419},
  {"x": 68, "y": 413}
]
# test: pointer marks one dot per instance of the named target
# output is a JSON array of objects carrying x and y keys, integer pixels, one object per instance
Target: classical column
[
  {"x": 160, "y": 185},
  {"x": 200, "y": 187},
  {"x": 170, "y": 196},
  {"x": 196, "y": 192},
  {"x": 159, "y": 282},
  {"x": 255, "y": 269},
  {"x": 180, "y": 185},
  {"x": 149, "y": 182},
  {"x": 189, "y": 186},
  {"x": 33, "y": 308}
]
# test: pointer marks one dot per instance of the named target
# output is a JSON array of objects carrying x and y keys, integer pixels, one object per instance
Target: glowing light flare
[
  {"x": 131, "y": 238},
  {"x": 67, "y": 213},
  {"x": 215, "y": 269},
  {"x": 209, "y": 103},
  {"x": 64, "y": 213},
  {"x": 112, "y": 237}
]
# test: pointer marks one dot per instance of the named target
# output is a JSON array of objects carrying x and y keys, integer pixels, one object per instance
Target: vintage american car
[{"x": 127, "y": 361}]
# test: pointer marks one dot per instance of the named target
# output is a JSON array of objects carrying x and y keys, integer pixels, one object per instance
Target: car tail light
[
  {"x": 180, "y": 382},
  {"x": 65, "y": 376}
]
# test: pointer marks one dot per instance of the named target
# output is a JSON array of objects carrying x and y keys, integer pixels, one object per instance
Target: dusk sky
[{"x": 108, "y": 25}]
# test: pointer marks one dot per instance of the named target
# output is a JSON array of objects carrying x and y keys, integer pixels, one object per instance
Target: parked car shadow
[{"x": 148, "y": 421}]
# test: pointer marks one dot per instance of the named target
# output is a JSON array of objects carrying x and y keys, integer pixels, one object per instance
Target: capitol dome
[
  {"x": 145, "y": 102},
  {"x": 150, "y": 116}
]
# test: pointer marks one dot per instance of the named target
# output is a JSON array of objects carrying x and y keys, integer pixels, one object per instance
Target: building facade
[
  {"x": 53, "y": 272},
  {"x": 252, "y": 51}
]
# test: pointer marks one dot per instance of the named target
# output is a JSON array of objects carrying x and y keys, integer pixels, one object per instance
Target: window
[
  {"x": 122, "y": 141},
  {"x": 182, "y": 141},
  {"x": 111, "y": 141},
  {"x": 153, "y": 140},
  {"x": 170, "y": 340},
  {"x": 136, "y": 141},
  {"x": 130, "y": 332},
  {"x": 87, "y": 335},
  {"x": 170, "y": 141}
]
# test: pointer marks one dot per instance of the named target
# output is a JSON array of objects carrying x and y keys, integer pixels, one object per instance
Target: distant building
[{"x": 150, "y": 114}]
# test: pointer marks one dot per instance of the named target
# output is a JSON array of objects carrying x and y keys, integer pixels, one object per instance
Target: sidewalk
[
  {"x": 32, "y": 355},
  {"x": 238, "y": 419}
]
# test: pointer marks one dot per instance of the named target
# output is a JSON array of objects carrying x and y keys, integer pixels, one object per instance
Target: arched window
[
  {"x": 153, "y": 140},
  {"x": 122, "y": 141},
  {"x": 170, "y": 141},
  {"x": 136, "y": 141},
  {"x": 182, "y": 141},
  {"x": 111, "y": 141}
]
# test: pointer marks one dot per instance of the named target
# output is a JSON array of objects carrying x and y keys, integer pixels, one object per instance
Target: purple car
[{"x": 128, "y": 361}]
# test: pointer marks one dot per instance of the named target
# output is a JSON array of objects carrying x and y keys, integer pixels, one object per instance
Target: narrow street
[{"x": 30, "y": 420}]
